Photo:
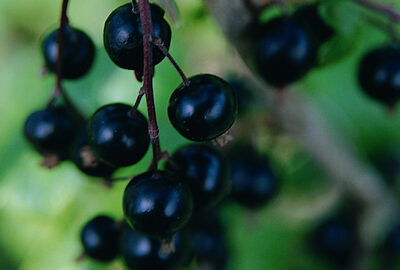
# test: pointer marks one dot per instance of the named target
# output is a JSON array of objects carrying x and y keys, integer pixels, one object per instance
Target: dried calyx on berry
[
  {"x": 204, "y": 109},
  {"x": 123, "y": 36},
  {"x": 77, "y": 54}
]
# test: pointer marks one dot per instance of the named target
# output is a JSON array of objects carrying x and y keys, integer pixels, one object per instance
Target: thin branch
[
  {"x": 145, "y": 16},
  {"x": 58, "y": 89},
  {"x": 164, "y": 50},
  {"x": 137, "y": 102},
  {"x": 303, "y": 121},
  {"x": 385, "y": 8}
]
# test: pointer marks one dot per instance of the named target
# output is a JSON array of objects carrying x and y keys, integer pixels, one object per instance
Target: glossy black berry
[
  {"x": 141, "y": 252},
  {"x": 336, "y": 239},
  {"x": 253, "y": 181},
  {"x": 50, "y": 131},
  {"x": 284, "y": 52},
  {"x": 123, "y": 37},
  {"x": 77, "y": 56},
  {"x": 204, "y": 109},
  {"x": 100, "y": 237},
  {"x": 157, "y": 204},
  {"x": 205, "y": 170},
  {"x": 379, "y": 73},
  {"x": 209, "y": 243},
  {"x": 116, "y": 137},
  {"x": 83, "y": 157},
  {"x": 309, "y": 18}
]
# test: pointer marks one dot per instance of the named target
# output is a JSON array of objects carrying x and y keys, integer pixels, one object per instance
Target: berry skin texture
[
  {"x": 157, "y": 204},
  {"x": 116, "y": 137},
  {"x": 99, "y": 238},
  {"x": 123, "y": 37},
  {"x": 284, "y": 52},
  {"x": 379, "y": 73},
  {"x": 205, "y": 171},
  {"x": 77, "y": 56},
  {"x": 253, "y": 182},
  {"x": 144, "y": 253},
  {"x": 336, "y": 239},
  {"x": 96, "y": 168},
  {"x": 50, "y": 131},
  {"x": 203, "y": 110}
]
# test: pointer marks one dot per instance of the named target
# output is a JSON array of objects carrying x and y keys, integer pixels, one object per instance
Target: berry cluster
[{"x": 171, "y": 214}]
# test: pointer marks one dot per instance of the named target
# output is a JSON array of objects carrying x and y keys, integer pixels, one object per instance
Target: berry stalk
[
  {"x": 145, "y": 17},
  {"x": 164, "y": 50},
  {"x": 58, "y": 90}
]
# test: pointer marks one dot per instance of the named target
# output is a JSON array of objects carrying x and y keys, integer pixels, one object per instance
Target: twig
[
  {"x": 145, "y": 16},
  {"x": 164, "y": 50},
  {"x": 384, "y": 8},
  {"x": 304, "y": 122},
  {"x": 137, "y": 102},
  {"x": 58, "y": 89}
]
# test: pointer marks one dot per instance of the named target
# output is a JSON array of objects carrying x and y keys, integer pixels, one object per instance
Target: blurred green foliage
[{"x": 42, "y": 211}]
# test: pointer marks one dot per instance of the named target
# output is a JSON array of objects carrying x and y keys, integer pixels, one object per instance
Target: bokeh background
[{"x": 42, "y": 211}]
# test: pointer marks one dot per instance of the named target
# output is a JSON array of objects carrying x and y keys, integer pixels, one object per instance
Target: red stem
[
  {"x": 145, "y": 17},
  {"x": 164, "y": 50}
]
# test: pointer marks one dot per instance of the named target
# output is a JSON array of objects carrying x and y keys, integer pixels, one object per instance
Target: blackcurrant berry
[
  {"x": 100, "y": 237},
  {"x": 83, "y": 157},
  {"x": 123, "y": 36},
  {"x": 336, "y": 239},
  {"x": 209, "y": 244},
  {"x": 253, "y": 181},
  {"x": 309, "y": 18},
  {"x": 378, "y": 74},
  {"x": 77, "y": 55},
  {"x": 284, "y": 52},
  {"x": 205, "y": 170},
  {"x": 204, "y": 109},
  {"x": 157, "y": 204},
  {"x": 51, "y": 131},
  {"x": 116, "y": 136},
  {"x": 391, "y": 244},
  {"x": 144, "y": 253}
]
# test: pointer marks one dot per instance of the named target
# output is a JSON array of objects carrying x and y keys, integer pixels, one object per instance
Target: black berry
[
  {"x": 205, "y": 171},
  {"x": 336, "y": 239},
  {"x": 378, "y": 74},
  {"x": 123, "y": 37},
  {"x": 204, "y": 109},
  {"x": 83, "y": 157},
  {"x": 157, "y": 204},
  {"x": 99, "y": 238},
  {"x": 77, "y": 56},
  {"x": 209, "y": 243},
  {"x": 144, "y": 253},
  {"x": 118, "y": 138},
  {"x": 309, "y": 18},
  {"x": 253, "y": 181},
  {"x": 51, "y": 131},
  {"x": 284, "y": 52}
]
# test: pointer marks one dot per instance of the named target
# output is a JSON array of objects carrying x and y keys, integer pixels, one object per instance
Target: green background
[{"x": 42, "y": 211}]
